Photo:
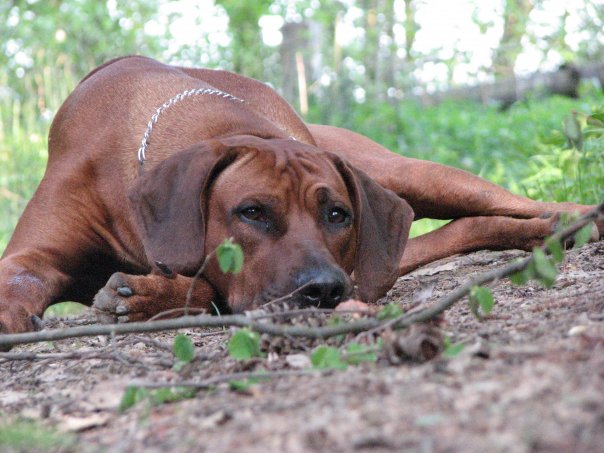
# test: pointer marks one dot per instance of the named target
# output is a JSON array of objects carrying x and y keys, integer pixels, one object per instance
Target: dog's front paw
[
  {"x": 16, "y": 319},
  {"x": 118, "y": 300},
  {"x": 129, "y": 298}
]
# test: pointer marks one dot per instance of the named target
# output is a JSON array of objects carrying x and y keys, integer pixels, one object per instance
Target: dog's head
[{"x": 304, "y": 218}]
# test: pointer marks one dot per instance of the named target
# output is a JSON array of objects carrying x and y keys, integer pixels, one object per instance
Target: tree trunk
[
  {"x": 294, "y": 42},
  {"x": 515, "y": 19},
  {"x": 564, "y": 81}
]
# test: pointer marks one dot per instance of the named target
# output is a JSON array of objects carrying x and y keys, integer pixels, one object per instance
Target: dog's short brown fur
[{"x": 310, "y": 205}]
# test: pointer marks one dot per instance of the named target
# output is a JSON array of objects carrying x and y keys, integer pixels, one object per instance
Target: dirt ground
[{"x": 531, "y": 378}]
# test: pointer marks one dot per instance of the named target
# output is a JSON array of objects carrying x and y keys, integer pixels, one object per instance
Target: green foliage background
[{"x": 47, "y": 46}]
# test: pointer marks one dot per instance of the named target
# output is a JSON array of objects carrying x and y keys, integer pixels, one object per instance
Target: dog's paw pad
[{"x": 125, "y": 291}]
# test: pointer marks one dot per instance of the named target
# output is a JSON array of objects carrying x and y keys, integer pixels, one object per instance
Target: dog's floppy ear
[
  {"x": 382, "y": 222},
  {"x": 169, "y": 205}
]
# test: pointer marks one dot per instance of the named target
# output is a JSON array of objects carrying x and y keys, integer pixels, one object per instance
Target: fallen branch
[
  {"x": 215, "y": 380},
  {"x": 270, "y": 328},
  {"x": 188, "y": 322}
]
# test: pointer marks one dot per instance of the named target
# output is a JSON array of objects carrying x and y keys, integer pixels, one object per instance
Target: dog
[{"x": 152, "y": 166}]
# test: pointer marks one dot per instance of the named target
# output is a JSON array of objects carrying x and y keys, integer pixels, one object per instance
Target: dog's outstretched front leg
[
  {"x": 29, "y": 283},
  {"x": 129, "y": 298}
]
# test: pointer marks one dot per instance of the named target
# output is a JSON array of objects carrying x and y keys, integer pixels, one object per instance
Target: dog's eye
[
  {"x": 337, "y": 215},
  {"x": 253, "y": 213}
]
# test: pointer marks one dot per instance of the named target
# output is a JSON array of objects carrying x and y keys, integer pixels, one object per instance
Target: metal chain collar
[{"x": 169, "y": 103}]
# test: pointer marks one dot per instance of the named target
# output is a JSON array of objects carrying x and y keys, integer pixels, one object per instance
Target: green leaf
[
  {"x": 170, "y": 394},
  {"x": 452, "y": 349},
  {"x": 483, "y": 298},
  {"x": 356, "y": 353},
  {"x": 519, "y": 278},
  {"x": 131, "y": 396},
  {"x": 583, "y": 236},
  {"x": 530, "y": 271},
  {"x": 544, "y": 267},
  {"x": 230, "y": 257},
  {"x": 244, "y": 344},
  {"x": 183, "y": 348},
  {"x": 327, "y": 357},
  {"x": 242, "y": 385},
  {"x": 390, "y": 311},
  {"x": 596, "y": 119},
  {"x": 335, "y": 320},
  {"x": 556, "y": 249},
  {"x": 134, "y": 395}
]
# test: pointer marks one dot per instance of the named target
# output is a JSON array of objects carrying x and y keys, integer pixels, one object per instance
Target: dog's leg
[
  {"x": 434, "y": 190},
  {"x": 129, "y": 298},
  {"x": 29, "y": 283},
  {"x": 59, "y": 251},
  {"x": 469, "y": 234}
]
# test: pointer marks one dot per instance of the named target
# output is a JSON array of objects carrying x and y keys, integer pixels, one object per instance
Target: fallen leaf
[
  {"x": 353, "y": 304},
  {"x": 75, "y": 424},
  {"x": 298, "y": 361},
  {"x": 576, "y": 330},
  {"x": 216, "y": 419}
]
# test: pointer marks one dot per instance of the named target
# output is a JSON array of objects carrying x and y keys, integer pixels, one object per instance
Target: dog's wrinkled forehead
[{"x": 280, "y": 162}]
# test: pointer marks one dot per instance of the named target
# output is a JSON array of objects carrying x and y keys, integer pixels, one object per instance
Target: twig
[
  {"x": 293, "y": 331},
  {"x": 33, "y": 356},
  {"x": 79, "y": 355},
  {"x": 290, "y": 313},
  {"x": 196, "y": 277},
  {"x": 187, "y": 322},
  {"x": 185, "y": 310},
  {"x": 150, "y": 342},
  {"x": 215, "y": 380}
]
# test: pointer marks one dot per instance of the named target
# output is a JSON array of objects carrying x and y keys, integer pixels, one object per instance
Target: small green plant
[
  {"x": 390, "y": 311},
  {"x": 230, "y": 256},
  {"x": 331, "y": 358},
  {"x": 25, "y": 435},
  {"x": 327, "y": 357},
  {"x": 244, "y": 345},
  {"x": 481, "y": 301},
  {"x": 451, "y": 349},
  {"x": 532, "y": 272},
  {"x": 569, "y": 165},
  {"x": 184, "y": 351},
  {"x": 183, "y": 348},
  {"x": 356, "y": 353},
  {"x": 243, "y": 385},
  {"x": 542, "y": 266},
  {"x": 583, "y": 235},
  {"x": 134, "y": 395}
]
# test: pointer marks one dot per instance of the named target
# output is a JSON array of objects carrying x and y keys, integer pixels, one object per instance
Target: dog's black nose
[{"x": 324, "y": 287}]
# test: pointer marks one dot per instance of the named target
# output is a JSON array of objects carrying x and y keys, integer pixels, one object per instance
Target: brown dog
[{"x": 220, "y": 155}]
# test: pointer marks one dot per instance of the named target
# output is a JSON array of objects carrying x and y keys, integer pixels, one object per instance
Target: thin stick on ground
[
  {"x": 84, "y": 355},
  {"x": 188, "y": 322},
  {"x": 196, "y": 277},
  {"x": 215, "y": 380},
  {"x": 271, "y": 328}
]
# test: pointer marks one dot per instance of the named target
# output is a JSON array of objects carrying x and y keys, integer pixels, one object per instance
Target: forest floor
[{"x": 531, "y": 378}]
